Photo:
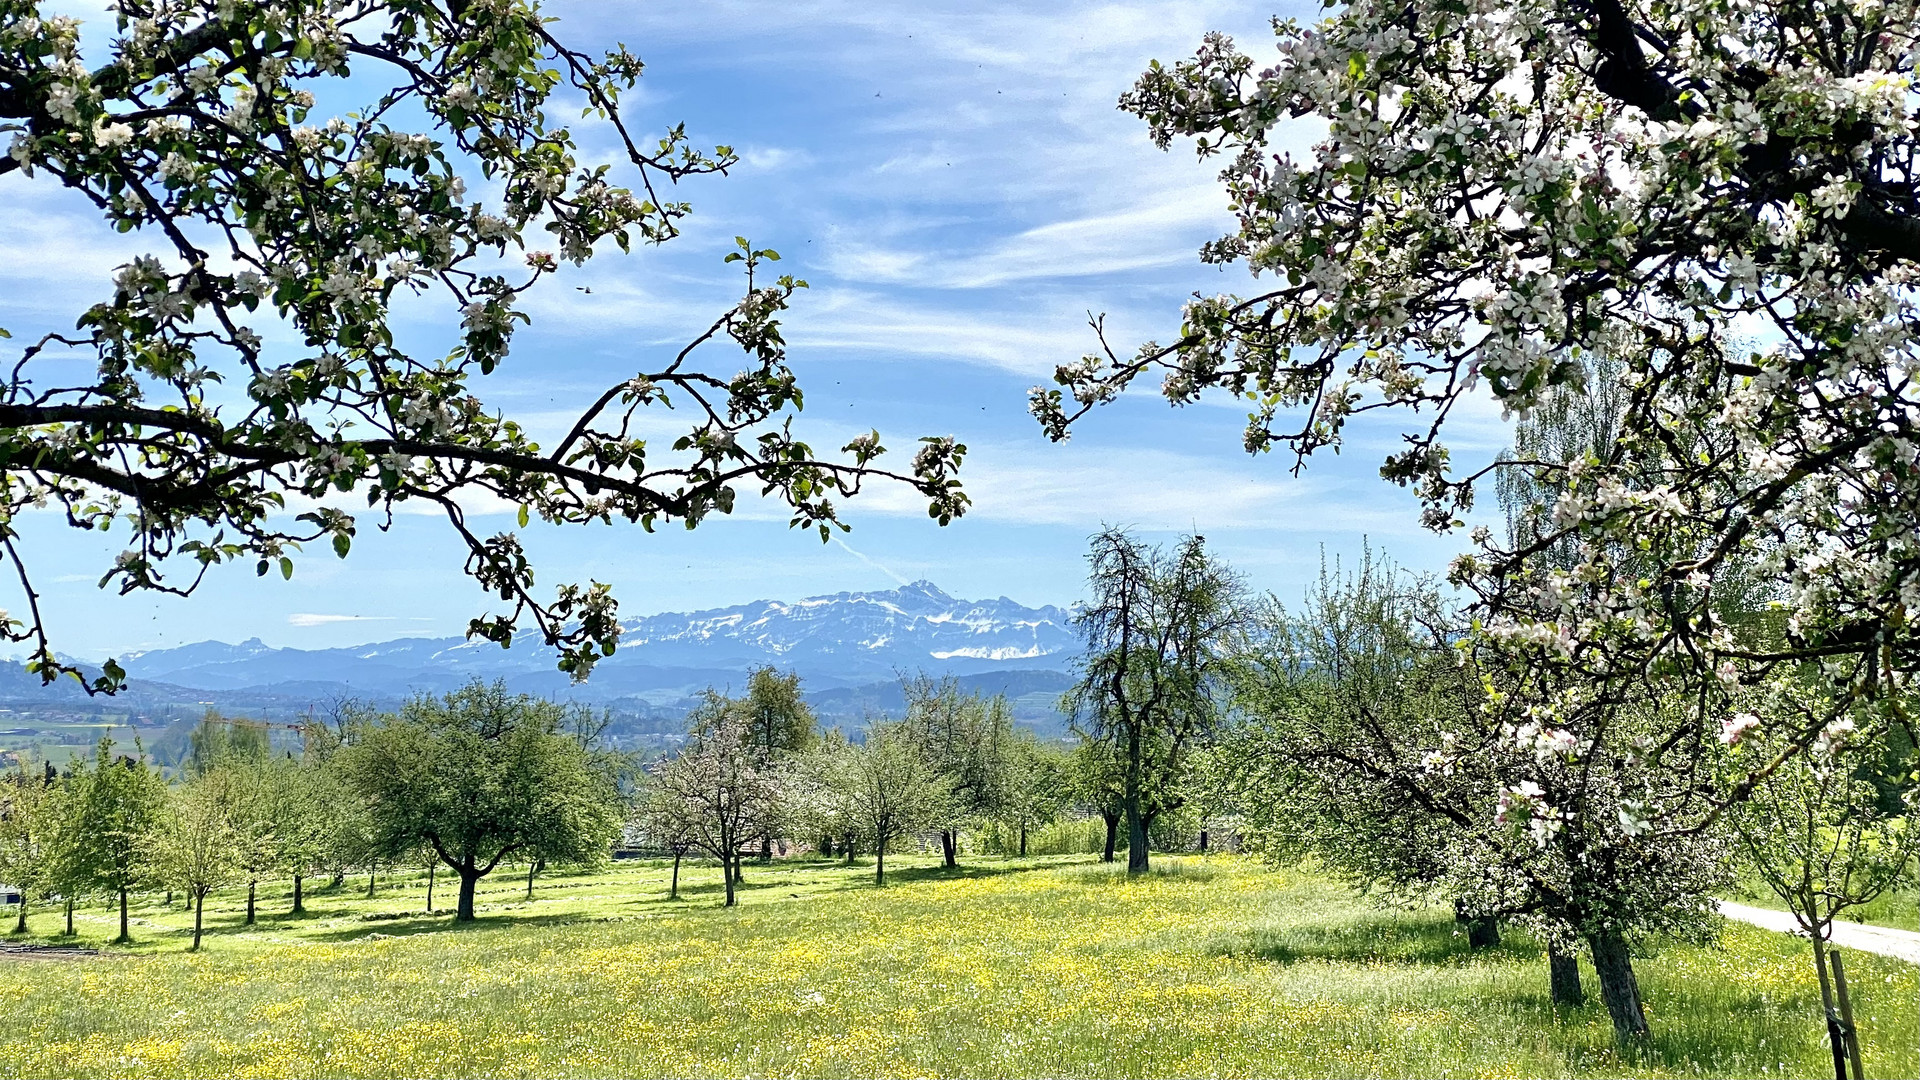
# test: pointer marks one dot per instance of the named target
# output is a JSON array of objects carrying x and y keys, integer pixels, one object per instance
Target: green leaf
[
  {"x": 523, "y": 515},
  {"x": 286, "y": 568}
]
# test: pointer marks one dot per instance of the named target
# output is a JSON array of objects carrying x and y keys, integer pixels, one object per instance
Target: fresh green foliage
[
  {"x": 965, "y": 739},
  {"x": 117, "y": 802},
  {"x": 219, "y": 740},
  {"x": 34, "y": 812},
  {"x": 891, "y": 790},
  {"x": 195, "y": 843},
  {"x": 479, "y": 775}
]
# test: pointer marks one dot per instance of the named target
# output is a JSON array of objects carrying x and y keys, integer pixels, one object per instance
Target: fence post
[{"x": 1846, "y": 1013}]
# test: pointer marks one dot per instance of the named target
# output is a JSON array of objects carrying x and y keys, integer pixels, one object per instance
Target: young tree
[
  {"x": 478, "y": 775},
  {"x": 32, "y": 811},
  {"x": 305, "y": 804},
  {"x": 1037, "y": 784},
  {"x": 891, "y": 789},
  {"x": 662, "y": 822},
  {"x": 117, "y": 804},
  {"x": 1824, "y": 836},
  {"x": 1496, "y": 198},
  {"x": 966, "y": 739},
  {"x": 721, "y": 791},
  {"x": 817, "y": 799},
  {"x": 196, "y": 843},
  {"x": 251, "y": 814},
  {"x": 1160, "y": 631},
  {"x": 778, "y": 718},
  {"x": 779, "y": 722},
  {"x": 286, "y": 233}
]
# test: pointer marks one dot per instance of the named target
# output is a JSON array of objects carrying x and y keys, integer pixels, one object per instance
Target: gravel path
[{"x": 1885, "y": 940}]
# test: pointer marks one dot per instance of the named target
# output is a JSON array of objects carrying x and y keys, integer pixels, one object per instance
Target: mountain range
[{"x": 850, "y": 649}]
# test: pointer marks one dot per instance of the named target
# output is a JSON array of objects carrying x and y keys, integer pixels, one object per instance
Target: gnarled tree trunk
[
  {"x": 1563, "y": 977},
  {"x": 949, "y": 847},
  {"x": 299, "y": 882},
  {"x": 1618, "y": 988},
  {"x": 1113, "y": 829},
  {"x": 252, "y": 884},
  {"x": 469, "y": 880},
  {"x": 1136, "y": 838}
]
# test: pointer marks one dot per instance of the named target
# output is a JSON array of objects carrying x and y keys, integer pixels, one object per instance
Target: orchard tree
[
  {"x": 778, "y": 718},
  {"x": 1037, "y": 786},
  {"x": 1160, "y": 632},
  {"x": 720, "y": 791},
  {"x": 32, "y": 812},
  {"x": 479, "y": 775},
  {"x": 1097, "y": 782},
  {"x": 892, "y": 791},
  {"x": 196, "y": 843},
  {"x": 966, "y": 739},
  {"x": 818, "y": 798},
  {"x": 1829, "y": 831},
  {"x": 301, "y": 169},
  {"x": 1371, "y": 745},
  {"x": 117, "y": 804},
  {"x": 663, "y": 824},
  {"x": 1719, "y": 199},
  {"x": 220, "y": 741},
  {"x": 779, "y": 724},
  {"x": 305, "y": 806}
]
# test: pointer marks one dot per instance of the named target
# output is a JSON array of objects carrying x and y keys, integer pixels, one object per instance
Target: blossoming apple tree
[
  {"x": 249, "y": 365},
  {"x": 1717, "y": 197},
  {"x": 1712, "y": 201}
]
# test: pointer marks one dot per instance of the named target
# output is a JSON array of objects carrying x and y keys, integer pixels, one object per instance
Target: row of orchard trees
[
  {"x": 755, "y": 769},
  {"x": 112, "y": 825},
  {"x": 463, "y": 781}
]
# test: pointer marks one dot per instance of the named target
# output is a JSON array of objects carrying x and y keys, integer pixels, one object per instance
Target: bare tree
[{"x": 1159, "y": 630}]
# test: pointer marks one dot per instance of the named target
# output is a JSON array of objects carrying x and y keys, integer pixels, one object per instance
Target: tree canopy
[
  {"x": 478, "y": 775},
  {"x": 1717, "y": 198},
  {"x": 250, "y": 364}
]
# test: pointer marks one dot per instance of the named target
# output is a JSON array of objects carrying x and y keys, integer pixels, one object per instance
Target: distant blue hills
[{"x": 850, "y": 649}]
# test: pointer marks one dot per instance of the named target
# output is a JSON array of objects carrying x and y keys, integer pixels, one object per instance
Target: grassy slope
[{"x": 1052, "y": 967}]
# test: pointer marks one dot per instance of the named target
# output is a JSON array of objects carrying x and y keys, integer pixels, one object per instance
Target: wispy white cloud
[
  {"x": 311, "y": 619},
  {"x": 1161, "y": 232}
]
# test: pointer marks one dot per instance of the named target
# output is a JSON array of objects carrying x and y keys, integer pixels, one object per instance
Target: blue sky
[{"x": 958, "y": 187}]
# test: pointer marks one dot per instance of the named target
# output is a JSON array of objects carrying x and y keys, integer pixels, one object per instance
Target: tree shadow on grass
[
  {"x": 1413, "y": 941},
  {"x": 907, "y": 875}
]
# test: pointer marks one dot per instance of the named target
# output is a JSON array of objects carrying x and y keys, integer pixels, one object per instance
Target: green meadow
[{"x": 1053, "y": 966}]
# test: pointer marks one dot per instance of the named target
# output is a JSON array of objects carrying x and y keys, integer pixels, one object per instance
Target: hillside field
[{"x": 1057, "y": 966}]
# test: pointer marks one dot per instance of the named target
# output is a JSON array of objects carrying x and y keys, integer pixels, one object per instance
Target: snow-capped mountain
[{"x": 845, "y": 639}]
